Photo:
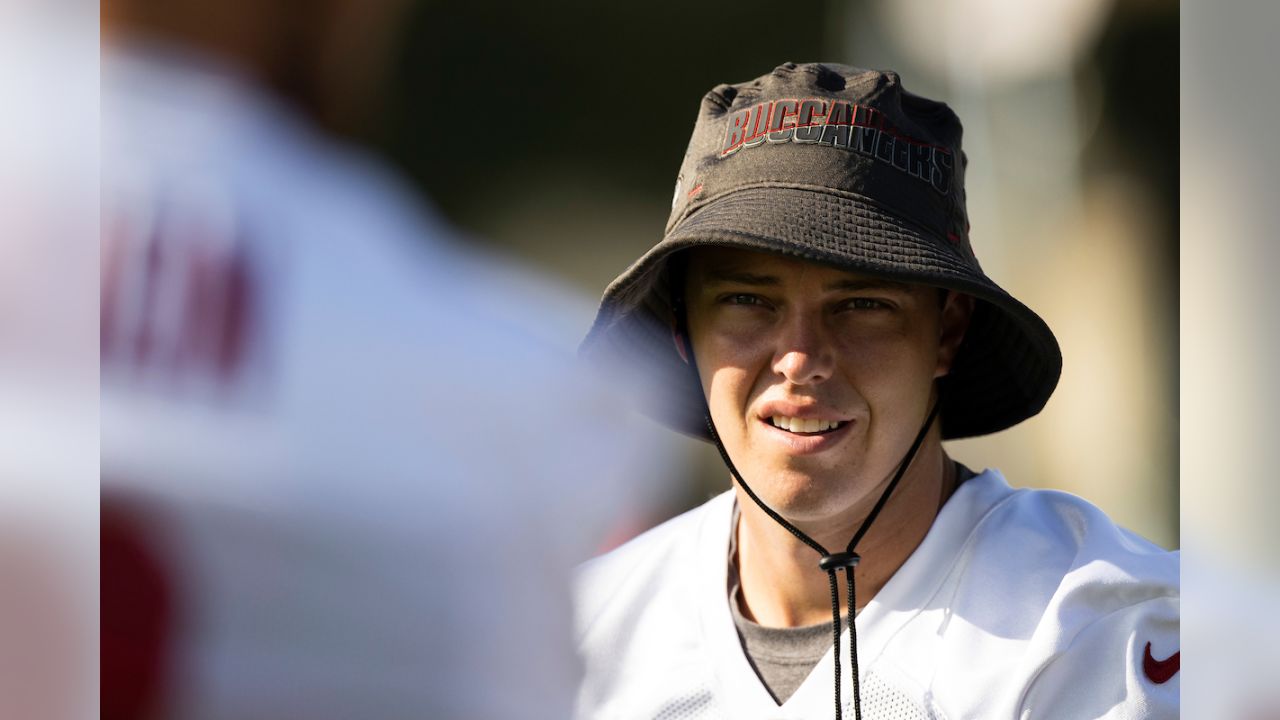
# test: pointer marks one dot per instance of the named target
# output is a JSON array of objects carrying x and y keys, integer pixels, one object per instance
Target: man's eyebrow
[
  {"x": 742, "y": 277},
  {"x": 745, "y": 277},
  {"x": 854, "y": 284}
]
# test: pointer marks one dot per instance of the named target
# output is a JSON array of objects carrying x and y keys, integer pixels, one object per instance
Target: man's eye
[
  {"x": 866, "y": 304},
  {"x": 743, "y": 299}
]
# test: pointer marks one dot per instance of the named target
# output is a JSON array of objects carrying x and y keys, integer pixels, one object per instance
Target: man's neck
[{"x": 781, "y": 583}]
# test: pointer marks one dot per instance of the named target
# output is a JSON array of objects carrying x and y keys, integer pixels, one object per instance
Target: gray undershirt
[{"x": 783, "y": 657}]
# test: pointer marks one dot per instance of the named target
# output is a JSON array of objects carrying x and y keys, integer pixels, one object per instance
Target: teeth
[{"x": 798, "y": 425}]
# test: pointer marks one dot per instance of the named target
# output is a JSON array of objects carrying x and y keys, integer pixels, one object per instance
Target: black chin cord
[{"x": 829, "y": 562}]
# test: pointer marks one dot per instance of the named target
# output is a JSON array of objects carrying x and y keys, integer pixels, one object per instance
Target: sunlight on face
[{"x": 817, "y": 378}]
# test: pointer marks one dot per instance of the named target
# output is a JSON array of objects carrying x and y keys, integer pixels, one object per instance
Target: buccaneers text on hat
[{"x": 839, "y": 124}]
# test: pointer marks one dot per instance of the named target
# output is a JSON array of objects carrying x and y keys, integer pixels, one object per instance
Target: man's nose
[{"x": 804, "y": 353}]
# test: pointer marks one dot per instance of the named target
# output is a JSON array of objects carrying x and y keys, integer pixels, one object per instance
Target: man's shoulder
[
  {"x": 1101, "y": 604},
  {"x": 1055, "y": 602},
  {"x": 1054, "y": 554},
  {"x": 1033, "y": 522}
]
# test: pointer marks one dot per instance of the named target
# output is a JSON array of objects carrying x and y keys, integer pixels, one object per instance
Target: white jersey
[
  {"x": 356, "y": 446},
  {"x": 1018, "y": 604}
]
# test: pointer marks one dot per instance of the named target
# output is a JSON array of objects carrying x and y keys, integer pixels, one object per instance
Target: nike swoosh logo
[{"x": 1159, "y": 671}]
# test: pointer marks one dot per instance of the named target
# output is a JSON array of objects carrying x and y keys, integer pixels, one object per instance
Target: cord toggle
[{"x": 839, "y": 560}]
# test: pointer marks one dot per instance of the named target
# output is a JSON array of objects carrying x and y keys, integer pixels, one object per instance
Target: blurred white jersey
[
  {"x": 366, "y": 460},
  {"x": 1018, "y": 604}
]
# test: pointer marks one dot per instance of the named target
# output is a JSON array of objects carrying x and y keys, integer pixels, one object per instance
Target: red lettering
[
  {"x": 784, "y": 115},
  {"x": 736, "y": 133},
  {"x": 177, "y": 301}
]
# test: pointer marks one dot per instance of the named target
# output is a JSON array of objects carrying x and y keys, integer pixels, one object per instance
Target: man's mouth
[{"x": 805, "y": 426}]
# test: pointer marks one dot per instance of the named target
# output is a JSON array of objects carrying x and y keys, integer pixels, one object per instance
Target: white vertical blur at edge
[
  {"x": 48, "y": 359},
  {"x": 1230, "y": 395}
]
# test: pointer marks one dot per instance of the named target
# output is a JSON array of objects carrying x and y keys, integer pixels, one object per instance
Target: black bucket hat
[{"x": 840, "y": 166}]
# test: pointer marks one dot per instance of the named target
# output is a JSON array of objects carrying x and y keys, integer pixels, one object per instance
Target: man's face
[{"x": 818, "y": 379}]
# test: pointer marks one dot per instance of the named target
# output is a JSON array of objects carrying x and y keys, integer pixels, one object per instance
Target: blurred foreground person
[{"x": 346, "y": 467}]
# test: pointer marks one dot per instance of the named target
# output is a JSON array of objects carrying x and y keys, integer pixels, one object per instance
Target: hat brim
[{"x": 1004, "y": 373}]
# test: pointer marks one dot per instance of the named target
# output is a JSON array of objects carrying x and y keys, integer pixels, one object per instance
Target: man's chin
[{"x": 803, "y": 496}]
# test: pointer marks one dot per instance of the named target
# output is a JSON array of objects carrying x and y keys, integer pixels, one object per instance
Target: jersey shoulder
[
  {"x": 1091, "y": 608},
  {"x": 1051, "y": 528}
]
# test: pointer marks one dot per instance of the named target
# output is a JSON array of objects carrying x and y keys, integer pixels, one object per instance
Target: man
[{"x": 826, "y": 325}]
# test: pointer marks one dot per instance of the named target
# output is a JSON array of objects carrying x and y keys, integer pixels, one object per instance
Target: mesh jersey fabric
[
  {"x": 1017, "y": 604},
  {"x": 880, "y": 699}
]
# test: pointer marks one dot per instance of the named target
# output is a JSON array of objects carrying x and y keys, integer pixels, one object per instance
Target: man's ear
[
  {"x": 678, "y": 339},
  {"x": 957, "y": 311}
]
